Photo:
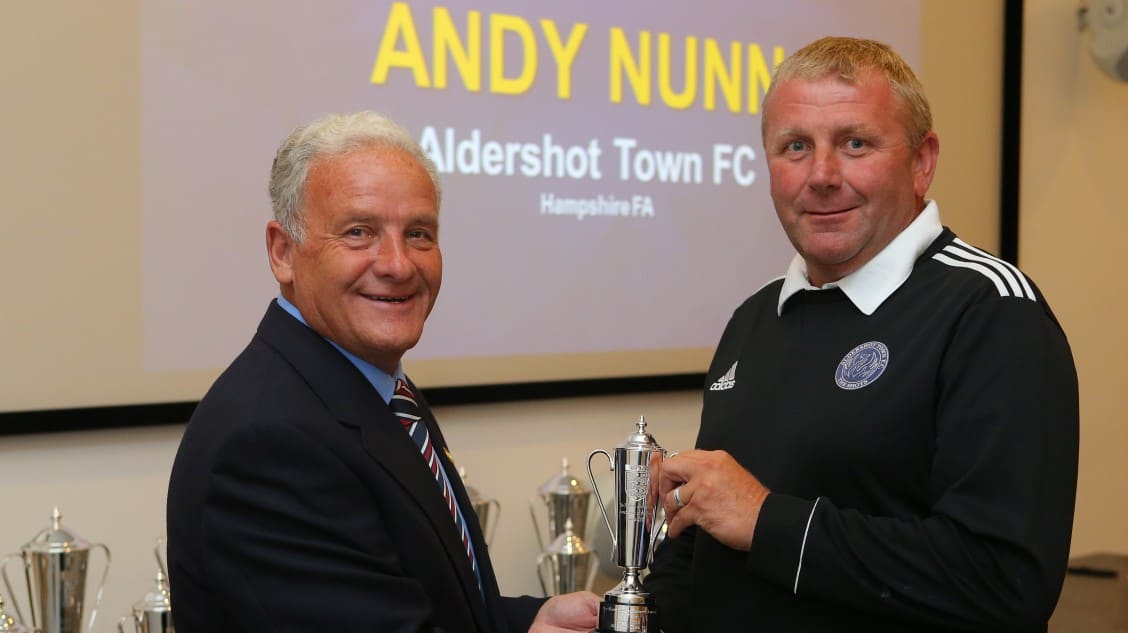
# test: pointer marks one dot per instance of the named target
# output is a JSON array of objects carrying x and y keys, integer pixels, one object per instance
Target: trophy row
[
  {"x": 55, "y": 561},
  {"x": 55, "y": 566}
]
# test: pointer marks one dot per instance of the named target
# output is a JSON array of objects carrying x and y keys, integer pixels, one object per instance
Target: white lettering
[
  {"x": 646, "y": 165},
  {"x": 728, "y": 158}
]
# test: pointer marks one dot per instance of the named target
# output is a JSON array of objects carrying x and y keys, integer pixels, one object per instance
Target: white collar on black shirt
[{"x": 869, "y": 286}]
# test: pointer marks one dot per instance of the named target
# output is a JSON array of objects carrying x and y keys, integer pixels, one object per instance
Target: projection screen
[{"x": 605, "y": 202}]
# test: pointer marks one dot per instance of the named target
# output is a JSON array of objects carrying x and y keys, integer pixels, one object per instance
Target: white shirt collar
[{"x": 869, "y": 286}]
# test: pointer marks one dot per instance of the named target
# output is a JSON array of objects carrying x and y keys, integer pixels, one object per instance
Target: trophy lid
[
  {"x": 568, "y": 542},
  {"x": 8, "y": 624},
  {"x": 640, "y": 439},
  {"x": 564, "y": 484},
  {"x": 157, "y": 600},
  {"x": 56, "y": 539}
]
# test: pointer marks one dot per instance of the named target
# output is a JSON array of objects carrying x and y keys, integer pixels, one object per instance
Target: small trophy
[
  {"x": 54, "y": 565},
  {"x": 8, "y": 624},
  {"x": 628, "y": 608},
  {"x": 565, "y": 499},
  {"x": 567, "y": 564},
  {"x": 153, "y": 613},
  {"x": 487, "y": 508}
]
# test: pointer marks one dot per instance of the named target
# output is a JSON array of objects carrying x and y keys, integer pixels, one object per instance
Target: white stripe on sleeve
[{"x": 803, "y": 547}]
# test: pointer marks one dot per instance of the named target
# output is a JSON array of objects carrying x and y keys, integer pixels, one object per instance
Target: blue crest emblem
[{"x": 863, "y": 365}]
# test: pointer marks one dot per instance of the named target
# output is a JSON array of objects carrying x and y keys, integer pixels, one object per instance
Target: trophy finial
[
  {"x": 56, "y": 518},
  {"x": 642, "y": 424},
  {"x": 563, "y": 464}
]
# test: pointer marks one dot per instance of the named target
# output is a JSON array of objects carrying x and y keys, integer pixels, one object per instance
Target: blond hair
[{"x": 849, "y": 58}]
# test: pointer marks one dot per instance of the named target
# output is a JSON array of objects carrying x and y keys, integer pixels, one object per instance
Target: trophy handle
[
  {"x": 124, "y": 618},
  {"x": 592, "y": 572},
  {"x": 493, "y": 522},
  {"x": 536, "y": 524},
  {"x": 598, "y": 497},
  {"x": 101, "y": 586},
  {"x": 540, "y": 572},
  {"x": 659, "y": 512},
  {"x": 658, "y": 534},
  {"x": 8, "y": 583},
  {"x": 157, "y": 552}
]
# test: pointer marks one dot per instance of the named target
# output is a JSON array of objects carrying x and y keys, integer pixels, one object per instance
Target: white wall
[{"x": 1073, "y": 223}]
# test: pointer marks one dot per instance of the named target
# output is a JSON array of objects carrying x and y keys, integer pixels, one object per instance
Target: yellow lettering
[
  {"x": 717, "y": 73},
  {"x": 499, "y": 26},
  {"x": 467, "y": 58},
  {"x": 684, "y": 99},
  {"x": 400, "y": 25},
  {"x": 759, "y": 76},
  {"x": 564, "y": 54},
  {"x": 623, "y": 62}
]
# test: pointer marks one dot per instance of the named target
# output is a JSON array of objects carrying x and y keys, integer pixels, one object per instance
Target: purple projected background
[{"x": 224, "y": 82}]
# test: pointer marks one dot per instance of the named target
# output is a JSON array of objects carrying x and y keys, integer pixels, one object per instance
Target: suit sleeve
[
  {"x": 990, "y": 554},
  {"x": 298, "y": 545}
]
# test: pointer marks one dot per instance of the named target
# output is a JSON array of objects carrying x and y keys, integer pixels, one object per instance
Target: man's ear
[
  {"x": 280, "y": 249},
  {"x": 925, "y": 163}
]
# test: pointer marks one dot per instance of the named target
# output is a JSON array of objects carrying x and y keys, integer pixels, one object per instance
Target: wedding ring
[{"x": 677, "y": 497}]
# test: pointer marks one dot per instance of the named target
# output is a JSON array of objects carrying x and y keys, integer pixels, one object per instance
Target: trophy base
[{"x": 628, "y": 613}]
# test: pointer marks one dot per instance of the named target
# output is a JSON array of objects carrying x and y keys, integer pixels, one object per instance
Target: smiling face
[
  {"x": 368, "y": 269},
  {"x": 844, "y": 179}
]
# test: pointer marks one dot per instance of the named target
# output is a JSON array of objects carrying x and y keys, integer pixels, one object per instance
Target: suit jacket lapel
[
  {"x": 496, "y": 617},
  {"x": 396, "y": 452},
  {"x": 351, "y": 398}
]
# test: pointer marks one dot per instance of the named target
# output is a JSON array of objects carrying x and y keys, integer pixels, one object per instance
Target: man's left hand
[
  {"x": 717, "y": 494},
  {"x": 576, "y": 612}
]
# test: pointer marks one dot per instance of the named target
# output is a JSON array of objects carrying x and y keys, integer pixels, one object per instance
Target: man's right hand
[
  {"x": 576, "y": 612},
  {"x": 716, "y": 494}
]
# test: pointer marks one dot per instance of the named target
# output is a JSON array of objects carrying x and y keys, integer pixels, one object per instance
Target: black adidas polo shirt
[{"x": 922, "y": 456}]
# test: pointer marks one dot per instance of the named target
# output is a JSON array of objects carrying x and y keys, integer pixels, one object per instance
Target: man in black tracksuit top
[{"x": 889, "y": 433}]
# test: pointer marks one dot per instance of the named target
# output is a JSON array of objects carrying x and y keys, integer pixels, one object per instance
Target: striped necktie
[{"x": 405, "y": 407}]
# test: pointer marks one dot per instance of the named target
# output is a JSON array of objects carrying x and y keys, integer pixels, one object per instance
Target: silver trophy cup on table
[
  {"x": 565, "y": 499},
  {"x": 8, "y": 624},
  {"x": 153, "y": 612},
  {"x": 628, "y": 608},
  {"x": 485, "y": 507},
  {"x": 567, "y": 564},
  {"x": 55, "y": 564}
]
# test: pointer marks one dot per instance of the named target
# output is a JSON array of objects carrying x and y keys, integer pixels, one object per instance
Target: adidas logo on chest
[{"x": 725, "y": 382}]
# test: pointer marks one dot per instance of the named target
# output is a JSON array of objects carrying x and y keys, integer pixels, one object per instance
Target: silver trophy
[
  {"x": 567, "y": 565},
  {"x": 8, "y": 624},
  {"x": 54, "y": 565},
  {"x": 153, "y": 612},
  {"x": 627, "y": 608},
  {"x": 488, "y": 509},
  {"x": 564, "y": 499}
]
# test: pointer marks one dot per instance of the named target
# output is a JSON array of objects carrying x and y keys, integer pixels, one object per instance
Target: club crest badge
[{"x": 862, "y": 365}]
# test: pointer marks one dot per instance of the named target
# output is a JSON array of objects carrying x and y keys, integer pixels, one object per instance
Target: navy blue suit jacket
[{"x": 298, "y": 503}]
